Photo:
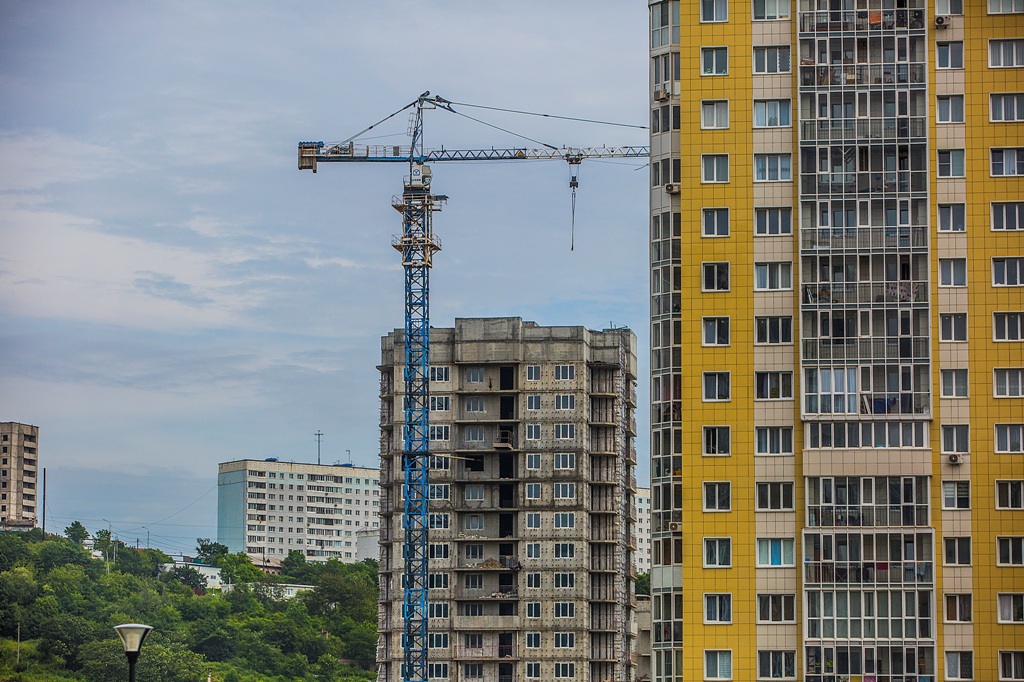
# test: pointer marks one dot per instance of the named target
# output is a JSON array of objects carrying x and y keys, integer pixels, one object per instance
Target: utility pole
[
  {"x": 44, "y": 502},
  {"x": 319, "y": 435}
]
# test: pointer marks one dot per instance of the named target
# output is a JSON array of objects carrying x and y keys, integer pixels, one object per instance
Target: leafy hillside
[{"x": 67, "y": 603}]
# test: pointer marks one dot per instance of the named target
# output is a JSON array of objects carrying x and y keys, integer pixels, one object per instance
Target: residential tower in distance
[{"x": 19, "y": 475}]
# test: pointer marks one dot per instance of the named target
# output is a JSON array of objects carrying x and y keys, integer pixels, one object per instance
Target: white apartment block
[
  {"x": 642, "y": 504},
  {"x": 268, "y": 508}
]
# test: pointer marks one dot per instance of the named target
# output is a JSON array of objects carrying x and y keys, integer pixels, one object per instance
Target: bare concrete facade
[
  {"x": 533, "y": 522},
  {"x": 19, "y": 475}
]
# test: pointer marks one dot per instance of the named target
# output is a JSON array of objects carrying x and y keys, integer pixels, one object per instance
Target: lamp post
[{"x": 132, "y": 635}]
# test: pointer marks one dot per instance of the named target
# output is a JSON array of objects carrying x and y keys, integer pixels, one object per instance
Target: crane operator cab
[{"x": 419, "y": 176}]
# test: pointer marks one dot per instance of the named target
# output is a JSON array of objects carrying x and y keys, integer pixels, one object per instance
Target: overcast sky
[{"x": 174, "y": 293}]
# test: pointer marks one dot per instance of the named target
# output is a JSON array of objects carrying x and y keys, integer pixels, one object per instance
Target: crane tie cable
[{"x": 564, "y": 118}]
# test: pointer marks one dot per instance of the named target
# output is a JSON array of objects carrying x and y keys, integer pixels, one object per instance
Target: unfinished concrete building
[
  {"x": 19, "y": 467},
  {"x": 532, "y": 521}
]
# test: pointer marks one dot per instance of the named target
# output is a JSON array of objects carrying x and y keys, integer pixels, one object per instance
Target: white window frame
[
  {"x": 533, "y": 670},
  {"x": 565, "y": 580},
  {"x": 712, "y": 331},
  {"x": 720, "y": 656},
  {"x": 565, "y": 401},
  {"x": 714, "y": 114},
  {"x": 774, "y": 381},
  {"x": 717, "y": 608},
  {"x": 475, "y": 375},
  {"x": 773, "y": 56},
  {"x": 533, "y": 431},
  {"x": 1008, "y": 271},
  {"x": 564, "y": 609},
  {"x": 565, "y": 519},
  {"x": 533, "y": 402},
  {"x": 475, "y": 434},
  {"x": 565, "y": 671},
  {"x": 770, "y": 10},
  {"x": 475, "y": 404},
  {"x": 718, "y": 377},
  {"x": 1000, "y": 102},
  {"x": 533, "y": 609},
  {"x": 779, "y": 662},
  {"x": 955, "y": 662},
  {"x": 565, "y": 460},
  {"x": 533, "y": 372},
  {"x": 956, "y": 164},
  {"x": 717, "y": 543},
  {"x": 440, "y": 374},
  {"x": 718, "y": 10},
  {"x": 773, "y": 600},
  {"x": 952, "y": 217},
  {"x": 1004, "y": 209},
  {"x": 440, "y": 432},
  {"x": 776, "y": 494},
  {"x": 949, "y": 109},
  {"x": 716, "y": 270},
  {"x": 954, "y": 383},
  {"x": 953, "y": 327},
  {"x": 533, "y": 461},
  {"x": 1005, "y": 6},
  {"x": 1010, "y": 323},
  {"x": 1010, "y": 162},
  {"x": 1009, "y": 439},
  {"x": 718, "y": 161},
  {"x": 565, "y": 491},
  {"x": 532, "y": 640},
  {"x": 1010, "y": 607},
  {"x": 961, "y": 545},
  {"x": 533, "y": 491},
  {"x": 765, "y": 549},
  {"x": 1017, "y": 51},
  {"x": 770, "y": 436},
  {"x": 773, "y": 221},
  {"x": 1010, "y": 494},
  {"x": 957, "y": 607},
  {"x": 713, "y": 499},
  {"x": 565, "y": 372},
  {"x": 952, "y": 272},
  {"x": 954, "y": 53},
  {"x": 565, "y": 431},
  {"x": 774, "y": 167},
  {"x": 773, "y": 276},
  {"x": 712, "y": 439},
  {"x": 1008, "y": 382},
  {"x": 440, "y": 403},
  {"x": 714, "y": 222},
  {"x": 956, "y": 495},
  {"x": 533, "y": 520},
  {"x": 956, "y": 439},
  {"x": 714, "y": 51},
  {"x": 783, "y": 114}
]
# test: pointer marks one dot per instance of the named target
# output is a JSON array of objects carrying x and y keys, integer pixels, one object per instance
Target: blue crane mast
[{"x": 417, "y": 244}]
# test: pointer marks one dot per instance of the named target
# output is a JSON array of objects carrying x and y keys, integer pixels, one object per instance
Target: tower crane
[{"x": 417, "y": 244}]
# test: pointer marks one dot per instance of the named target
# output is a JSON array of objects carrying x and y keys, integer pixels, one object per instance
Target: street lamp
[{"x": 132, "y": 634}]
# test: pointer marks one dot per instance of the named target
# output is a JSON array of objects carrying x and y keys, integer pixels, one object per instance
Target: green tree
[
  {"x": 238, "y": 568},
  {"x": 76, "y": 532},
  {"x": 295, "y": 569},
  {"x": 643, "y": 583},
  {"x": 210, "y": 552},
  {"x": 104, "y": 660},
  {"x": 13, "y": 549},
  {"x": 186, "y": 575}
]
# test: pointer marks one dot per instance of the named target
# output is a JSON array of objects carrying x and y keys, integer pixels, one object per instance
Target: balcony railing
[
  {"x": 850, "y": 129},
  {"x": 863, "y": 183},
  {"x": 868, "y": 572},
  {"x": 862, "y": 20},
  {"x": 867, "y": 516},
  {"x": 903, "y": 236},
  {"x": 865, "y": 292},
  {"x": 866, "y": 349},
  {"x": 839, "y": 75}
]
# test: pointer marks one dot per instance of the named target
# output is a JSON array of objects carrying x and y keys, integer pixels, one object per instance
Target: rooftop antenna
[
  {"x": 349, "y": 456},
  {"x": 319, "y": 436}
]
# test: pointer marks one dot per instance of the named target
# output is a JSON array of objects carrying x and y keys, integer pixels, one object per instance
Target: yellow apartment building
[{"x": 837, "y": 340}]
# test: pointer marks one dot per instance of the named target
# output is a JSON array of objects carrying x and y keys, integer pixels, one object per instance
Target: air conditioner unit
[
  {"x": 661, "y": 94},
  {"x": 942, "y": 21},
  {"x": 672, "y": 188},
  {"x": 675, "y": 526},
  {"x": 956, "y": 459}
]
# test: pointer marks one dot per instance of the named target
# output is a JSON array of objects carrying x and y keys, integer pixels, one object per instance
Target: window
[
  {"x": 771, "y": 113},
  {"x": 959, "y": 665},
  {"x": 716, "y": 277},
  {"x": 1006, "y": 107},
  {"x": 772, "y": 167},
  {"x": 953, "y": 272},
  {"x": 440, "y": 432},
  {"x": 440, "y": 374},
  {"x": 533, "y": 667},
  {"x": 440, "y": 403},
  {"x": 565, "y": 401},
  {"x": 773, "y": 440},
  {"x": 716, "y": 386},
  {"x": 773, "y": 385},
  {"x": 473, "y": 609},
  {"x": 958, "y": 608},
  {"x": 533, "y": 401},
  {"x": 1007, "y": 162},
  {"x": 714, "y": 61},
  {"x": 438, "y": 581},
  {"x": 565, "y": 550},
  {"x": 664, "y": 23},
  {"x": 474, "y": 522},
  {"x": 533, "y": 432},
  {"x": 951, "y": 163},
  {"x": 475, "y": 552},
  {"x": 565, "y": 491},
  {"x": 956, "y": 494},
  {"x": 1010, "y": 608},
  {"x": 565, "y": 670},
  {"x": 949, "y": 6},
  {"x": 565, "y": 640},
  {"x": 716, "y": 331},
  {"x": 773, "y": 552},
  {"x": 955, "y": 438},
  {"x": 950, "y": 55},
  {"x": 565, "y": 372},
  {"x": 565, "y": 460},
  {"x": 532, "y": 609},
  {"x": 953, "y": 327},
  {"x": 831, "y": 390},
  {"x": 437, "y": 670},
  {"x": 1011, "y": 665},
  {"x": 1010, "y": 438},
  {"x": 954, "y": 383},
  {"x": 717, "y": 608},
  {"x": 533, "y": 372},
  {"x": 532, "y": 640},
  {"x": 957, "y": 551},
  {"x": 474, "y": 404},
  {"x": 714, "y": 114},
  {"x": 770, "y": 10},
  {"x": 952, "y": 218},
  {"x": 1008, "y": 326},
  {"x": 533, "y": 460},
  {"x": 439, "y": 551},
  {"x": 437, "y": 610},
  {"x": 474, "y": 375},
  {"x": 1006, "y": 53},
  {"x": 773, "y": 330},
  {"x": 533, "y": 520},
  {"x": 473, "y": 670},
  {"x": 533, "y": 550},
  {"x": 1008, "y": 216},
  {"x": 1007, "y": 272},
  {"x": 951, "y": 109},
  {"x": 714, "y": 10},
  {"x": 1005, "y": 6},
  {"x": 774, "y": 59},
  {"x": 717, "y": 665},
  {"x": 565, "y": 520},
  {"x": 775, "y": 276},
  {"x": 717, "y": 440},
  {"x": 776, "y": 608},
  {"x": 474, "y": 434},
  {"x": 438, "y": 521},
  {"x": 714, "y": 168},
  {"x": 716, "y": 222},
  {"x": 770, "y": 222},
  {"x": 533, "y": 491},
  {"x": 1010, "y": 494},
  {"x": 565, "y": 431},
  {"x": 776, "y": 664},
  {"x": 565, "y": 609},
  {"x": 533, "y": 581},
  {"x": 717, "y": 552},
  {"x": 437, "y": 640},
  {"x": 565, "y": 581},
  {"x": 775, "y": 496},
  {"x": 439, "y": 491}
]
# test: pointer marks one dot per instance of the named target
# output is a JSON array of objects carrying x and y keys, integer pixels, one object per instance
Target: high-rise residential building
[
  {"x": 531, "y": 536},
  {"x": 19, "y": 467},
  {"x": 269, "y": 507},
  {"x": 837, "y": 466},
  {"x": 642, "y": 503}
]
